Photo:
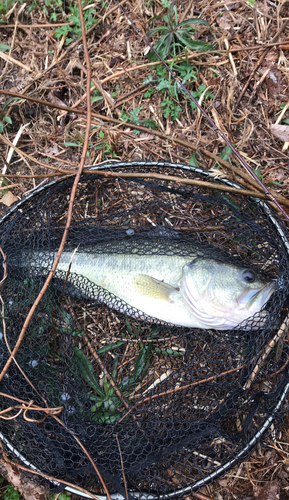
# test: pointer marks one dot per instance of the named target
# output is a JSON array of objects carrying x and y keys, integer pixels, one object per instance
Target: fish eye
[{"x": 248, "y": 276}]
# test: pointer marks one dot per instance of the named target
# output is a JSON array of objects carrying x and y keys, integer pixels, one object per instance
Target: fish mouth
[{"x": 263, "y": 294}]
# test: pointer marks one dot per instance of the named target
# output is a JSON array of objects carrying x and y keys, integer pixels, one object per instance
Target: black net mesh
[{"x": 179, "y": 405}]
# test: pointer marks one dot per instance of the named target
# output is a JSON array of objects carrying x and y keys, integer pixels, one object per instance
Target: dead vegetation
[{"x": 242, "y": 84}]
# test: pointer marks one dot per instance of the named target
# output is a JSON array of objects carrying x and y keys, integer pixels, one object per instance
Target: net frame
[{"x": 266, "y": 425}]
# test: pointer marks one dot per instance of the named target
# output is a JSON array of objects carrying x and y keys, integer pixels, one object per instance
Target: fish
[{"x": 186, "y": 288}]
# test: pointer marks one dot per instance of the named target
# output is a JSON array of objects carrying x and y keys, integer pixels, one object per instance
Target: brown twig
[
  {"x": 69, "y": 216},
  {"x": 266, "y": 351},
  {"x": 182, "y": 388},
  {"x": 122, "y": 467},
  {"x": 201, "y": 496},
  {"x": 257, "y": 47},
  {"x": 9, "y": 186},
  {"x": 32, "y": 26},
  {"x": 4, "y": 329},
  {"x": 186, "y": 144},
  {"x": 50, "y": 478},
  {"x": 261, "y": 58},
  {"x": 259, "y": 82},
  {"x": 86, "y": 453},
  {"x": 28, "y": 407}
]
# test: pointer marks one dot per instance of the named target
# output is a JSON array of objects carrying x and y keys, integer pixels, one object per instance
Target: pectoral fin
[{"x": 151, "y": 287}]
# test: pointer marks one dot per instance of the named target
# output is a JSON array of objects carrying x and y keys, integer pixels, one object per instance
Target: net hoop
[{"x": 114, "y": 165}]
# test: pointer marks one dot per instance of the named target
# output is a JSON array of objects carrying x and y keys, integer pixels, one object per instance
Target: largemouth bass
[{"x": 190, "y": 290}]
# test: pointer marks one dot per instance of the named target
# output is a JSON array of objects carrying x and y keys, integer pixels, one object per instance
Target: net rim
[{"x": 261, "y": 431}]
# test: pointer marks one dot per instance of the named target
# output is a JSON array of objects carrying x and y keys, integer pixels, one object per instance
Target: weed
[
  {"x": 170, "y": 109},
  {"x": 62, "y": 496},
  {"x": 175, "y": 36},
  {"x": 187, "y": 73},
  {"x": 75, "y": 30},
  {"x": 5, "y": 119},
  {"x": 285, "y": 121},
  {"x": 226, "y": 153},
  {"x": 95, "y": 96},
  {"x": 55, "y": 6},
  {"x": 118, "y": 90},
  {"x": 106, "y": 148},
  {"x": 197, "y": 94},
  {"x": 4, "y": 47},
  {"x": 260, "y": 176},
  {"x": 4, "y": 7},
  {"x": 193, "y": 161},
  {"x": 133, "y": 117},
  {"x": 11, "y": 493}
]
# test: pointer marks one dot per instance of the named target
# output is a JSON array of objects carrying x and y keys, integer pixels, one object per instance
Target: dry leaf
[
  {"x": 52, "y": 150},
  {"x": 281, "y": 132},
  {"x": 274, "y": 82},
  {"x": 269, "y": 492},
  {"x": 225, "y": 22},
  {"x": 52, "y": 98},
  {"x": 8, "y": 199}
]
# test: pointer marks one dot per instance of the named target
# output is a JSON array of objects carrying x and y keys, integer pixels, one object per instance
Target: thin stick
[
  {"x": 257, "y": 85},
  {"x": 271, "y": 344},
  {"x": 122, "y": 467},
  {"x": 85, "y": 450},
  {"x": 258, "y": 63},
  {"x": 50, "y": 478},
  {"x": 177, "y": 389},
  {"x": 186, "y": 144},
  {"x": 212, "y": 123},
  {"x": 70, "y": 210}
]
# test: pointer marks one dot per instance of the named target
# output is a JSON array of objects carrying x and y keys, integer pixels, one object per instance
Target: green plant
[
  {"x": 193, "y": 161},
  {"x": 183, "y": 69},
  {"x": 4, "y": 47},
  {"x": 77, "y": 144},
  {"x": 4, "y": 7},
  {"x": 105, "y": 401},
  {"x": 197, "y": 94},
  {"x": 53, "y": 5},
  {"x": 170, "y": 109},
  {"x": 62, "y": 496},
  {"x": 106, "y": 148},
  {"x": 260, "y": 176},
  {"x": 187, "y": 73},
  {"x": 176, "y": 36},
  {"x": 75, "y": 30},
  {"x": 11, "y": 493},
  {"x": 5, "y": 119},
  {"x": 133, "y": 117},
  {"x": 285, "y": 121}
]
